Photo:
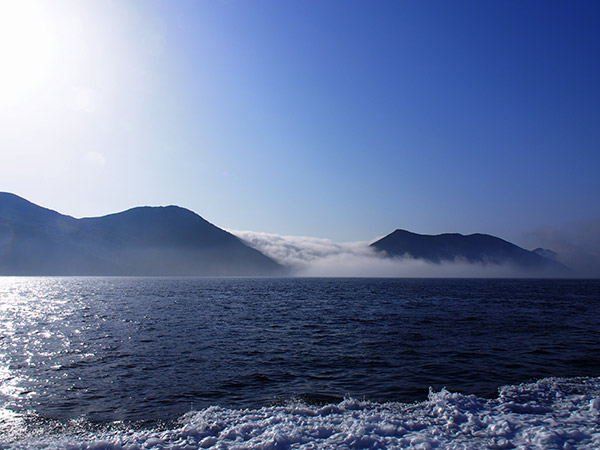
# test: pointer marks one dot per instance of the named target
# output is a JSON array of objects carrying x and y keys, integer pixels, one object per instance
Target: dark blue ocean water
[{"x": 144, "y": 349}]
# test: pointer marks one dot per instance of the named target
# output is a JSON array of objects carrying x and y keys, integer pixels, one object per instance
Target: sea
[{"x": 299, "y": 363}]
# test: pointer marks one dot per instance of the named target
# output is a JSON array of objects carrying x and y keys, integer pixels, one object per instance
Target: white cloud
[{"x": 308, "y": 256}]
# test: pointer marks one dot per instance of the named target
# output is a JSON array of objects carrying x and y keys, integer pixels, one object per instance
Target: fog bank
[{"x": 309, "y": 256}]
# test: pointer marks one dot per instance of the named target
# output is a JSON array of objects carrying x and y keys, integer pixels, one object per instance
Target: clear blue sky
[{"x": 337, "y": 119}]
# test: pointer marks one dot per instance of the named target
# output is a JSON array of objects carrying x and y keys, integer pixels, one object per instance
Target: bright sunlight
[{"x": 27, "y": 50}]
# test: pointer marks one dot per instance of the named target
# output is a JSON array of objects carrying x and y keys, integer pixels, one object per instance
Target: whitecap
[{"x": 551, "y": 413}]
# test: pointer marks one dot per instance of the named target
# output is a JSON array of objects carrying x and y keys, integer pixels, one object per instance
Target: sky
[{"x": 339, "y": 120}]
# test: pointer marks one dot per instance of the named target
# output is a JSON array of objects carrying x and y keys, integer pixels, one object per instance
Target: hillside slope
[{"x": 166, "y": 241}]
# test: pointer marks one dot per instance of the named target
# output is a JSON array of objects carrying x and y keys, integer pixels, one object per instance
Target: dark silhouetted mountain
[
  {"x": 474, "y": 248},
  {"x": 166, "y": 241}
]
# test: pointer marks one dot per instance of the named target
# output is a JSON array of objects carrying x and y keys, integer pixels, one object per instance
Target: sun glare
[{"x": 27, "y": 50}]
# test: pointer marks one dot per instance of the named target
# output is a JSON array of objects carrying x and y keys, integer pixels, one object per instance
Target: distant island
[
  {"x": 474, "y": 249},
  {"x": 144, "y": 241},
  {"x": 174, "y": 241}
]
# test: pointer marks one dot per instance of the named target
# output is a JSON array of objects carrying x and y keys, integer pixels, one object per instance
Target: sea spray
[{"x": 551, "y": 413}]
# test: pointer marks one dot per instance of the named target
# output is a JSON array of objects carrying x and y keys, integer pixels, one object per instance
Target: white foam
[{"x": 552, "y": 413}]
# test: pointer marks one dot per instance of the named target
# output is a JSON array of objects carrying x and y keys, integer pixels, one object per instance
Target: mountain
[
  {"x": 473, "y": 248},
  {"x": 169, "y": 241}
]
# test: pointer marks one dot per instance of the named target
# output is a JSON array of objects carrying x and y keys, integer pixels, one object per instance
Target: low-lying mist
[
  {"x": 577, "y": 245},
  {"x": 308, "y": 256}
]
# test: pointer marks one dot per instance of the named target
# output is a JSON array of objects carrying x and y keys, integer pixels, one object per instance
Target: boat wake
[{"x": 551, "y": 413}]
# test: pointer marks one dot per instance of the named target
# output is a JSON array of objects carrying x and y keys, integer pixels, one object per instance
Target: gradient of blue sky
[{"x": 337, "y": 119}]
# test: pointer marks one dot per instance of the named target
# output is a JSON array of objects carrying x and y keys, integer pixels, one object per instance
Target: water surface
[{"x": 142, "y": 349}]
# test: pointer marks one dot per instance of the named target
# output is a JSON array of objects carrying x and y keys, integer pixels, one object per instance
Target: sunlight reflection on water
[{"x": 34, "y": 323}]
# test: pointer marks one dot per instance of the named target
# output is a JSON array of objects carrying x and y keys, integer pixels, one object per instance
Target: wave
[{"x": 550, "y": 413}]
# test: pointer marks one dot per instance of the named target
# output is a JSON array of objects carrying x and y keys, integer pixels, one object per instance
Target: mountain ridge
[
  {"x": 164, "y": 240},
  {"x": 476, "y": 248},
  {"x": 175, "y": 241}
]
